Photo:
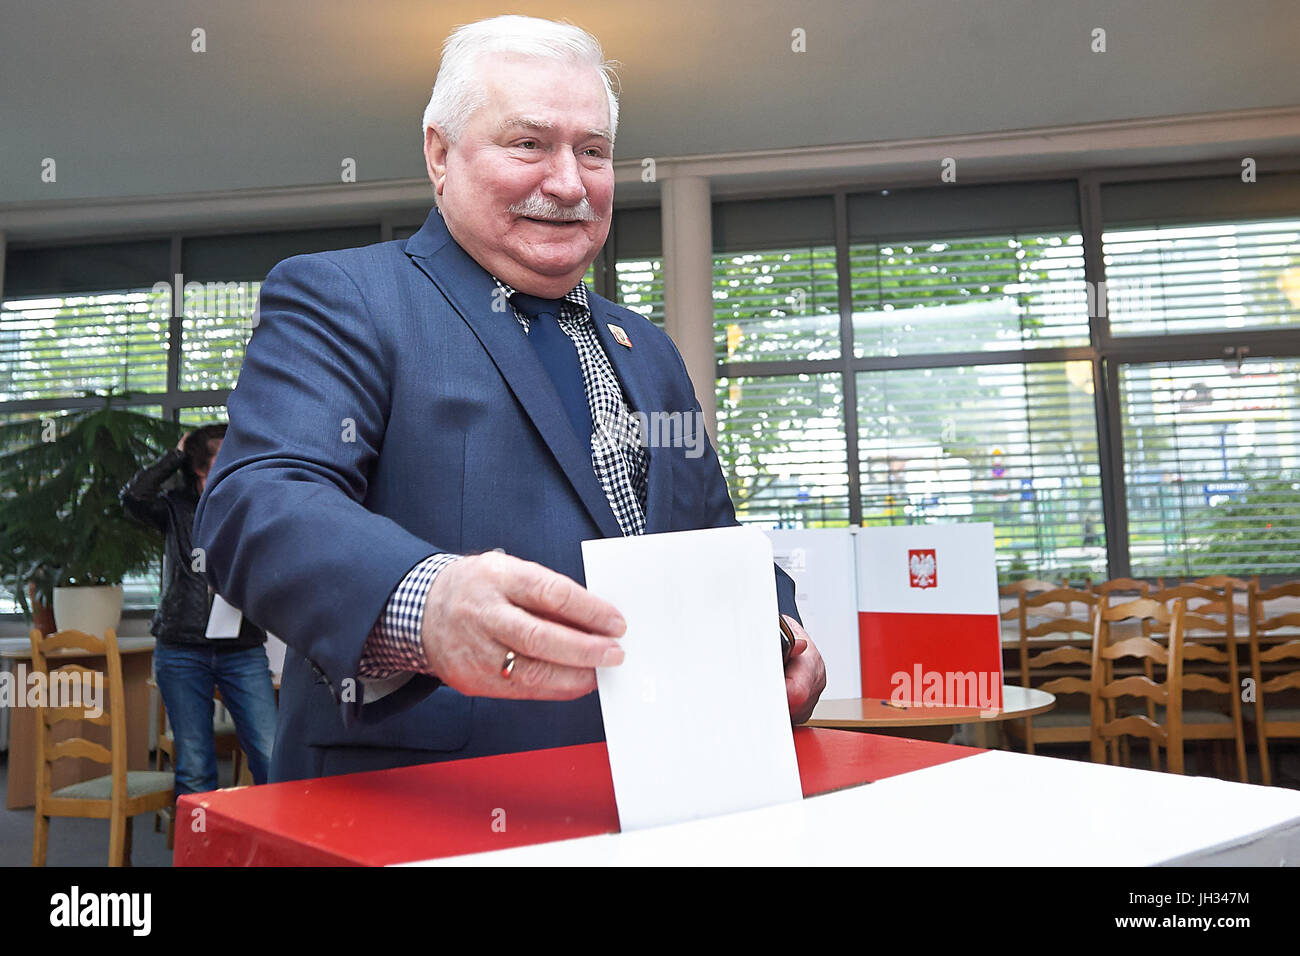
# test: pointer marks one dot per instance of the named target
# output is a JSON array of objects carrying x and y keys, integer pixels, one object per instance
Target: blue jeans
[{"x": 186, "y": 675}]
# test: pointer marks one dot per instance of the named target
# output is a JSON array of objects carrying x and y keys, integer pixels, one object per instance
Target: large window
[
  {"x": 970, "y": 384},
  {"x": 883, "y": 356},
  {"x": 1202, "y": 255},
  {"x": 82, "y": 320},
  {"x": 1212, "y": 467},
  {"x": 1203, "y": 294}
]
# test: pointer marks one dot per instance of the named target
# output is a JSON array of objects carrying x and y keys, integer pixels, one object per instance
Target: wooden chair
[
  {"x": 1214, "y": 646},
  {"x": 1015, "y": 590},
  {"x": 117, "y": 796},
  {"x": 1059, "y": 725},
  {"x": 1107, "y": 728},
  {"x": 1220, "y": 653},
  {"x": 1271, "y": 720},
  {"x": 1118, "y": 591}
]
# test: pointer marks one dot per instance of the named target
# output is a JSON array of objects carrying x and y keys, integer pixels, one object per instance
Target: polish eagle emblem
[{"x": 922, "y": 569}]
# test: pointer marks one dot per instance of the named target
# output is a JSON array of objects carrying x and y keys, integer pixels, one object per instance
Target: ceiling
[{"x": 287, "y": 90}]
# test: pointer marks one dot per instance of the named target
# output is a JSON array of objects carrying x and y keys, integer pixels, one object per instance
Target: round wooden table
[{"x": 863, "y": 713}]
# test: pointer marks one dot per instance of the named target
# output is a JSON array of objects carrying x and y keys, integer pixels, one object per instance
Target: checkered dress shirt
[{"x": 618, "y": 458}]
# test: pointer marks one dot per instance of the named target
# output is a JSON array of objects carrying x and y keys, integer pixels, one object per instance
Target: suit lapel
[
  {"x": 638, "y": 385},
  {"x": 471, "y": 291}
]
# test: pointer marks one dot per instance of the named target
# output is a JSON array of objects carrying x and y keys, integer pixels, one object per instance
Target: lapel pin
[{"x": 619, "y": 335}]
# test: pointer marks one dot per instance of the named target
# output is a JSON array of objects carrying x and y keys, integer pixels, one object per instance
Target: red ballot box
[{"x": 476, "y": 805}]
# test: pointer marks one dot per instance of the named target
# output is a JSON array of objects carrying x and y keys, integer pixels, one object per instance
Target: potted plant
[
  {"x": 60, "y": 520},
  {"x": 31, "y": 583}
]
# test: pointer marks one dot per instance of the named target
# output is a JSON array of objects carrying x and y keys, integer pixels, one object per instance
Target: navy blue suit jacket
[{"x": 385, "y": 412}]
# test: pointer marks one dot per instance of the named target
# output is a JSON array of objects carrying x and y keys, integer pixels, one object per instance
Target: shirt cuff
[{"x": 394, "y": 645}]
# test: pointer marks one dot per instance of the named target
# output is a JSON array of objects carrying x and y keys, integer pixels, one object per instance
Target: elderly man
[{"x": 425, "y": 431}]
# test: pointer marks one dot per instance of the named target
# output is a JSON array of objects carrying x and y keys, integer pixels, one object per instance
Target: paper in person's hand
[{"x": 696, "y": 717}]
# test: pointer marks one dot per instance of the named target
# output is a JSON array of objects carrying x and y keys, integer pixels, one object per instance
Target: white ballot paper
[
  {"x": 224, "y": 621},
  {"x": 696, "y": 717}
]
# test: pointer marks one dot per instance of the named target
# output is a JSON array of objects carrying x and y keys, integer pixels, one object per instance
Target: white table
[
  {"x": 971, "y": 812},
  {"x": 866, "y": 713}
]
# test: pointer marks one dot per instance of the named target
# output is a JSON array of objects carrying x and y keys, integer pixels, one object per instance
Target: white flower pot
[{"x": 89, "y": 609}]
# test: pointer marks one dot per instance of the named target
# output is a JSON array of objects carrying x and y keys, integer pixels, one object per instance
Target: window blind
[
  {"x": 1212, "y": 467},
  {"x": 639, "y": 285},
  {"x": 1210, "y": 277},
  {"x": 1012, "y": 444},
  {"x": 779, "y": 304},
  {"x": 782, "y": 447},
  {"x": 215, "y": 329},
  {"x": 63, "y": 346},
  {"x": 972, "y": 294},
  {"x": 198, "y": 415}
]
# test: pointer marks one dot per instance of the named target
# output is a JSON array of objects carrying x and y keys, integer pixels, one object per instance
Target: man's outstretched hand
[
  {"x": 483, "y": 606},
  {"x": 805, "y": 674}
]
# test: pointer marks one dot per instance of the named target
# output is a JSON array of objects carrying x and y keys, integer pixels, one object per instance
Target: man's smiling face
[{"x": 528, "y": 188}]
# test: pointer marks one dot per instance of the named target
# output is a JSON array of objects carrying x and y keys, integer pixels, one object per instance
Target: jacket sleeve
[
  {"x": 141, "y": 497},
  {"x": 282, "y": 520},
  {"x": 719, "y": 511}
]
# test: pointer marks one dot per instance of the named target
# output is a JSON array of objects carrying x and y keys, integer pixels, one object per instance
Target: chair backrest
[
  {"x": 69, "y": 680},
  {"x": 1262, "y": 622},
  {"x": 1124, "y": 588},
  {"x": 1201, "y": 599},
  {"x": 1066, "y": 625},
  {"x": 1223, "y": 581},
  {"x": 1018, "y": 588},
  {"x": 1106, "y": 728},
  {"x": 1220, "y": 650},
  {"x": 1226, "y": 584}
]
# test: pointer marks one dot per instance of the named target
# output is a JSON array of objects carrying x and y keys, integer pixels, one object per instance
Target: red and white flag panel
[{"x": 928, "y": 627}]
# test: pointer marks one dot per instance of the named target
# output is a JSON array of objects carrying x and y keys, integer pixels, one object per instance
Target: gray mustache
[{"x": 539, "y": 207}]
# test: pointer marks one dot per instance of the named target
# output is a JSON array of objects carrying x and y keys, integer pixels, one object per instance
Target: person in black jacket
[{"x": 187, "y": 663}]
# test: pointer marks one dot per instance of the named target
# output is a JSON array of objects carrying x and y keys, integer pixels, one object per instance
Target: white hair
[{"x": 458, "y": 90}]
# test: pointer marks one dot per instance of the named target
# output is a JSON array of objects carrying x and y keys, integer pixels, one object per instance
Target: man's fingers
[
  {"x": 805, "y": 679},
  {"x": 534, "y": 679},
  {"x": 552, "y": 595},
  {"x": 482, "y": 607},
  {"x": 539, "y": 639}
]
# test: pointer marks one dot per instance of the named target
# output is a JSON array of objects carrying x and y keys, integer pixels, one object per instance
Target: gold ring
[{"x": 508, "y": 667}]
